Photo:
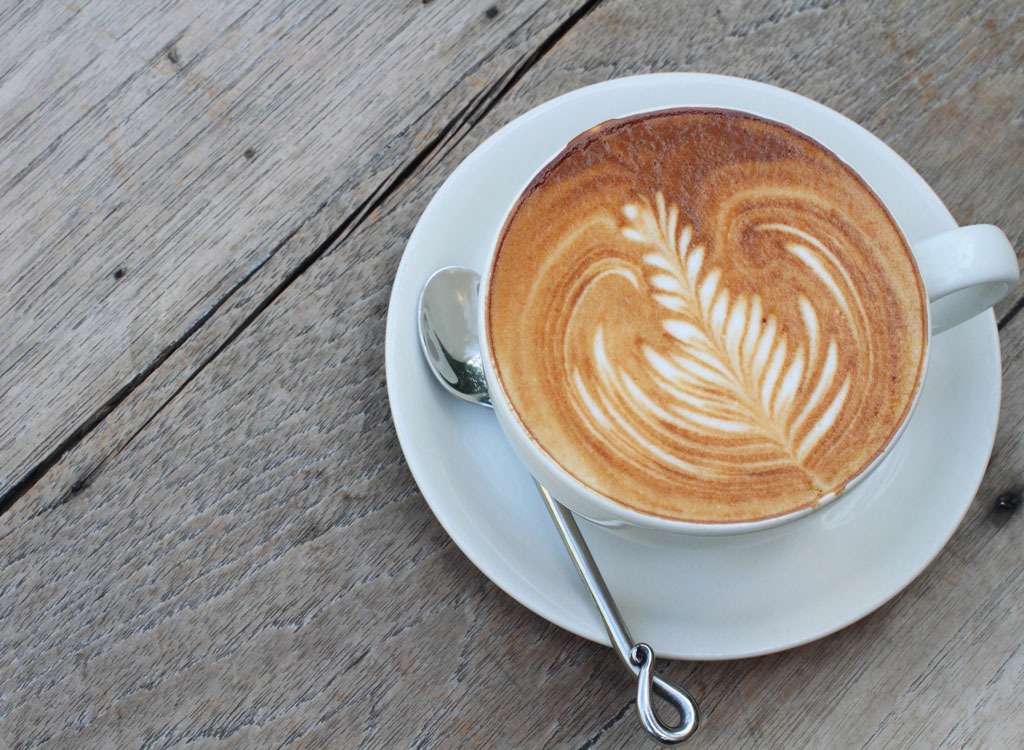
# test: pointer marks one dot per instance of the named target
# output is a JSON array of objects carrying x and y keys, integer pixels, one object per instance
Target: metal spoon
[{"x": 451, "y": 344}]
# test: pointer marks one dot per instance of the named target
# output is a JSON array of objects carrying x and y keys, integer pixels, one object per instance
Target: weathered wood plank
[
  {"x": 153, "y": 160},
  {"x": 256, "y": 566}
]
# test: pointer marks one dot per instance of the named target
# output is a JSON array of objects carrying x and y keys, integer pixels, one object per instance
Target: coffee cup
[{"x": 701, "y": 318}]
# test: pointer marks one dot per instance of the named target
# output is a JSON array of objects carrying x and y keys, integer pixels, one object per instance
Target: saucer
[{"x": 694, "y": 598}]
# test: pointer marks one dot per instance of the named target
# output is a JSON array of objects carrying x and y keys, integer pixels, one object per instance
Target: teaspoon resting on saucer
[{"x": 449, "y": 338}]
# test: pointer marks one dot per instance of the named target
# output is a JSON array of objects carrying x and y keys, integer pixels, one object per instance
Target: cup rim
[{"x": 611, "y": 513}]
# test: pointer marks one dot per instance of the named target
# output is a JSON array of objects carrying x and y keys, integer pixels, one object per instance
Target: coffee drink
[{"x": 705, "y": 316}]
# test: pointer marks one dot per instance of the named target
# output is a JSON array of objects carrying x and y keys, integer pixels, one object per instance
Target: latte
[{"x": 705, "y": 316}]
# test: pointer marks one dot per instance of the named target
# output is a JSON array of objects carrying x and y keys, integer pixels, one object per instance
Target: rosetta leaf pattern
[{"x": 730, "y": 372}]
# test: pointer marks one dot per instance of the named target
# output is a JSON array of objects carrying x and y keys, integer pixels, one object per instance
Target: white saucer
[{"x": 690, "y": 598}]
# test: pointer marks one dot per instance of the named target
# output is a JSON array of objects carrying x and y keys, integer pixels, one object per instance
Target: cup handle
[{"x": 965, "y": 271}]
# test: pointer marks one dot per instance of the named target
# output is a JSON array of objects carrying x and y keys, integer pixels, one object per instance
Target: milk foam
[
  {"x": 731, "y": 352},
  {"x": 726, "y": 373}
]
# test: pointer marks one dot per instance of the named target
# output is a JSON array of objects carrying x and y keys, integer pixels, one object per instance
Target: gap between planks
[{"x": 447, "y": 138}]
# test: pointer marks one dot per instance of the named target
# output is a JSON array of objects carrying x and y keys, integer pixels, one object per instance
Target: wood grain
[
  {"x": 152, "y": 162},
  {"x": 236, "y": 556}
]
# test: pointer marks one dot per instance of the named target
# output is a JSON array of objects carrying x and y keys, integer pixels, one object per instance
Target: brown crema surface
[{"x": 706, "y": 316}]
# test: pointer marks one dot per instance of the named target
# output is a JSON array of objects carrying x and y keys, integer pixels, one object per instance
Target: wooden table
[{"x": 210, "y": 537}]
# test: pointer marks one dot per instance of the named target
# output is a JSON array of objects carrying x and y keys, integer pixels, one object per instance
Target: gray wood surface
[{"x": 210, "y": 537}]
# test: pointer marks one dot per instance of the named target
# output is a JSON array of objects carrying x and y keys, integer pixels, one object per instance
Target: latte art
[
  {"x": 727, "y": 373},
  {"x": 714, "y": 298}
]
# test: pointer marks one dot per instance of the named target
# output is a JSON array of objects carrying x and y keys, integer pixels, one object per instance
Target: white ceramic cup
[{"x": 965, "y": 271}]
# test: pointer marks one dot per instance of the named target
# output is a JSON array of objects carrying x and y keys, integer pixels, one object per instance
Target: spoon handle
[{"x": 638, "y": 657}]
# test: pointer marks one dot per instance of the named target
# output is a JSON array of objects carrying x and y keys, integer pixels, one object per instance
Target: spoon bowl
[{"x": 449, "y": 335}]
